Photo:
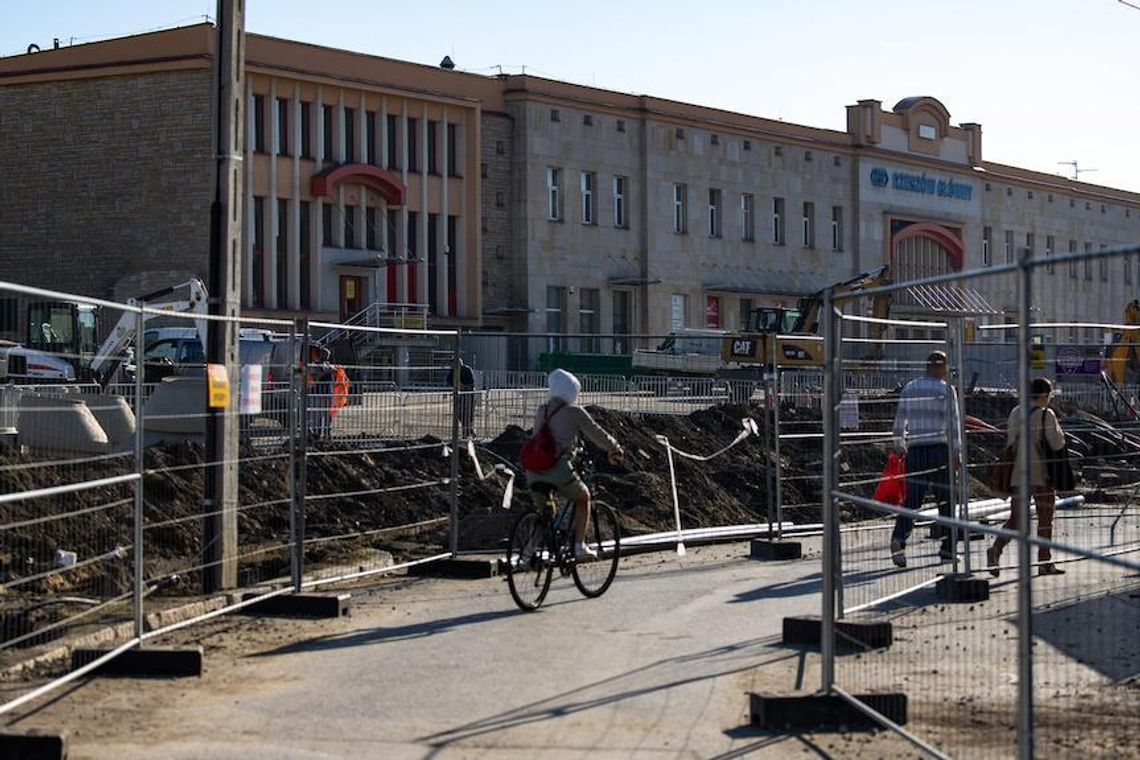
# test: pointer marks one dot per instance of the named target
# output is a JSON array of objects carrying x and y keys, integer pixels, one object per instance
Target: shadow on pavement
[
  {"x": 382, "y": 634},
  {"x": 711, "y": 664}
]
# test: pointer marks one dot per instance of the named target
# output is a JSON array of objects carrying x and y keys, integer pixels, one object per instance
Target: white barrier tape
[{"x": 750, "y": 428}]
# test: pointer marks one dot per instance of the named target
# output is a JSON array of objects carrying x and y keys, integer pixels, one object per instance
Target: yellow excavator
[
  {"x": 790, "y": 334},
  {"x": 1122, "y": 360}
]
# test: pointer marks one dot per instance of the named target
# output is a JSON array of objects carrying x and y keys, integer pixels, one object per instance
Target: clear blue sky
[{"x": 1049, "y": 80}]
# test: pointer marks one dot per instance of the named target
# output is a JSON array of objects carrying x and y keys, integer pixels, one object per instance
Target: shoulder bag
[{"x": 1058, "y": 469}]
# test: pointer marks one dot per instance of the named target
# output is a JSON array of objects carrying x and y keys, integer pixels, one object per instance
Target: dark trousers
[{"x": 935, "y": 458}]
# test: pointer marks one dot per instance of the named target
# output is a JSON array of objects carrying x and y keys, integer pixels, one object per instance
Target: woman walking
[{"x": 1044, "y": 430}]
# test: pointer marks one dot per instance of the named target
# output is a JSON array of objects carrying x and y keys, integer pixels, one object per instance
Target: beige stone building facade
[{"x": 512, "y": 202}]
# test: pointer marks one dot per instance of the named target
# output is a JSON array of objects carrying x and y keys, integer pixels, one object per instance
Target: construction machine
[
  {"x": 1122, "y": 358},
  {"x": 109, "y": 357},
  {"x": 789, "y": 335},
  {"x": 58, "y": 340}
]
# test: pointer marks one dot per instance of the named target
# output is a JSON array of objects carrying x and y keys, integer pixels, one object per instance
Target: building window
[
  {"x": 555, "y": 317},
  {"x": 619, "y": 202},
  {"x": 372, "y": 229},
  {"x": 677, "y": 309},
  {"x": 327, "y": 224},
  {"x": 747, "y": 145},
  {"x": 1009, "y": 246},
  {"x": 1103, "y": 266},
  {"x": 809, "y": 225},
  {"x": 305, "y": 131},
  {"x": 433, "y": 263},
  {"x": 555, "y": 115},
  {"x": 1127, "y": 270},
  {"x": 412, "y": 247},
  {"x": 500, "y": 198},
  {"x": 1088, "y": 262},
  {"x": 370, "y": 131},
  {"x": 257, "y": 124},
  {"x": 393, "y": 147},
  {"x": 712, "y": 312},
  {"x": 304, "y": 244},
  {"x": 679, "y": 133},
  {"x": 620, "y": 125},
  {"x": 327, "y": 126},
  {"x": 587, "y": 186},
  {"x": 745, "y": 313},
  {"x": 587, "y": 120},
  {"x": 413, "y": 132},
  {"x": 680, "y": 208},
  {"x": 987, "y": 245},
  {"x": 807, "y": 156},
  {"x": 553, "y": 193},
  {"x": 350, "y": 135},
  {"x": 283, "y": 126},
  {"x": 282, "y": 251},
  {"x": 500, "y": 148},
  {"x": 453, "y": 150},
  {"x": 257, "y": 287},
  {"x": 778, "y": 221},
  {"x": 622, "y": 316},
  {"x": 451, "y": 256},
  {"x": 1072, "y": 264},
  {"x": 927, "y": 131},
  {"x": 432, "y": 152},
  {"x": 350, "y": 238},
  {"x": 747, "y": 217},
  {"x": 714, "y": 213},
  {"x": 588, "y": 323},
  {"x": 1049, "y": 243},
  {"x": 837, "y": 228},
  {"x": 1030, "y": 244}
]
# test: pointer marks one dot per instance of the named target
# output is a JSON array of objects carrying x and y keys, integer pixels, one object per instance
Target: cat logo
[{"x": 744, "y": 348}]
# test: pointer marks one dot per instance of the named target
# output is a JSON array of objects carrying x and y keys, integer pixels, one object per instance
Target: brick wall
[{"x": 108, "y": 182}]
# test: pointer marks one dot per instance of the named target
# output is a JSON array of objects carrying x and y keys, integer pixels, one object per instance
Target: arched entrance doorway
[{"x": 920, "y": 250}]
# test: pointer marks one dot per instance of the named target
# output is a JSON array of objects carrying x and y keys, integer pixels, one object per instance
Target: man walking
[{"x": 926, "y": 430}]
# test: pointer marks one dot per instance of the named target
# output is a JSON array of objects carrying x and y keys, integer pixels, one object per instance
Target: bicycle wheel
[
  {"x": 603, "y": 535},
  {"x": 528, "y": 564}
]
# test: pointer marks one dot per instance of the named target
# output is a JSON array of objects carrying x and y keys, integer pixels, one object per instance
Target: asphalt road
[{"x": 659, "y": 667}]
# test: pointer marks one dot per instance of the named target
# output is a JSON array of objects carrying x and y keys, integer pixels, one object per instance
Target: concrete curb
[
  {"x": 33, "y": 745},
  {"x": 113, "y": 633}
]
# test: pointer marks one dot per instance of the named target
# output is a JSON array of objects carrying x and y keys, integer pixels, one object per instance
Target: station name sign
[{"x": 920, "y": 183}]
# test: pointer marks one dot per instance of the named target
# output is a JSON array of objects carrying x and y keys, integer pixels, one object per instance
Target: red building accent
[
  {"x": 936, "y": 232},
  {"x": 387, "y": 184}
]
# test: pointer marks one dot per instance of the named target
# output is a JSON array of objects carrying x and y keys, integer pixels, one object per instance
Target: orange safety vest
[{"x": 340, "y": 391}]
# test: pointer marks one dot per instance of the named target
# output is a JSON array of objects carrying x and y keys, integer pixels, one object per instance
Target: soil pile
[{"x": 398, "y": 498}]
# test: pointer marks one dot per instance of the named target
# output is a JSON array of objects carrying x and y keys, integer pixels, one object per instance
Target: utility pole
[{"x": 219, "y": 539}]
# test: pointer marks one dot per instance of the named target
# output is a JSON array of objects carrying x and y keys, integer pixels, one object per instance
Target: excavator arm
[{"x": 110, "y": 353}]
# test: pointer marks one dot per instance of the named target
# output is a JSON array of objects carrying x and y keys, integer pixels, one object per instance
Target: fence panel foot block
[
  {"x": 850, "y": 636},
  {"x": 824, "y": 712},
  {"x": 303, "y": 605},
  {"x": 776, "y": 550},
  {"x": 33, "y": 745},
  {"x": 962, "y": 588},
  {"x": 156, "y": 662},
  {"x": 460, "y": 567}
]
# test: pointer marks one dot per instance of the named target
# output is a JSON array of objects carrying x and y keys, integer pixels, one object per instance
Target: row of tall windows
[
  {"x": 747, "y": 218},
  {"x": 587, "y": 197},
  {"x": 382, "y": 136},
  {"x": 360, "y": 231},
  {"x": 1076, "y": 269},
  {"x": 589, "y": 323}
]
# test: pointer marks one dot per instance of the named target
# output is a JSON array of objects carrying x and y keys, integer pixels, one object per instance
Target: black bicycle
[{"x": 542, "y": 540}]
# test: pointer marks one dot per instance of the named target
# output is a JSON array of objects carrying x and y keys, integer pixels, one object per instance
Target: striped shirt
[{"x": 927, "y": 413}]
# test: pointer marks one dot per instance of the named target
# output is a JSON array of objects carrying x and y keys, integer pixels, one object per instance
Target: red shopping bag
[{"x": 892, "y": 486}]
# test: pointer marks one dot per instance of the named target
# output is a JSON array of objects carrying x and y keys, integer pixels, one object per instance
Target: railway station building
[{"x": 514, "y": 203}]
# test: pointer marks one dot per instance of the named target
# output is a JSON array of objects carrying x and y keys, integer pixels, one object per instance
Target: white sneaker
[{"x": 582, "y": 551}]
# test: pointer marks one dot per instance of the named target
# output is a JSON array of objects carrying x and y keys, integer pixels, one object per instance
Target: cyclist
[{"x": 565, "y": 420}]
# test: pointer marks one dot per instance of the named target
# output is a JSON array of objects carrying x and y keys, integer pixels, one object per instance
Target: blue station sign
[{"x": 921, "y": 183}]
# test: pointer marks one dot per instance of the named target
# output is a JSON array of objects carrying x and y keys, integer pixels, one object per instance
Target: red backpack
[{"x": 540, "y": 452}]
